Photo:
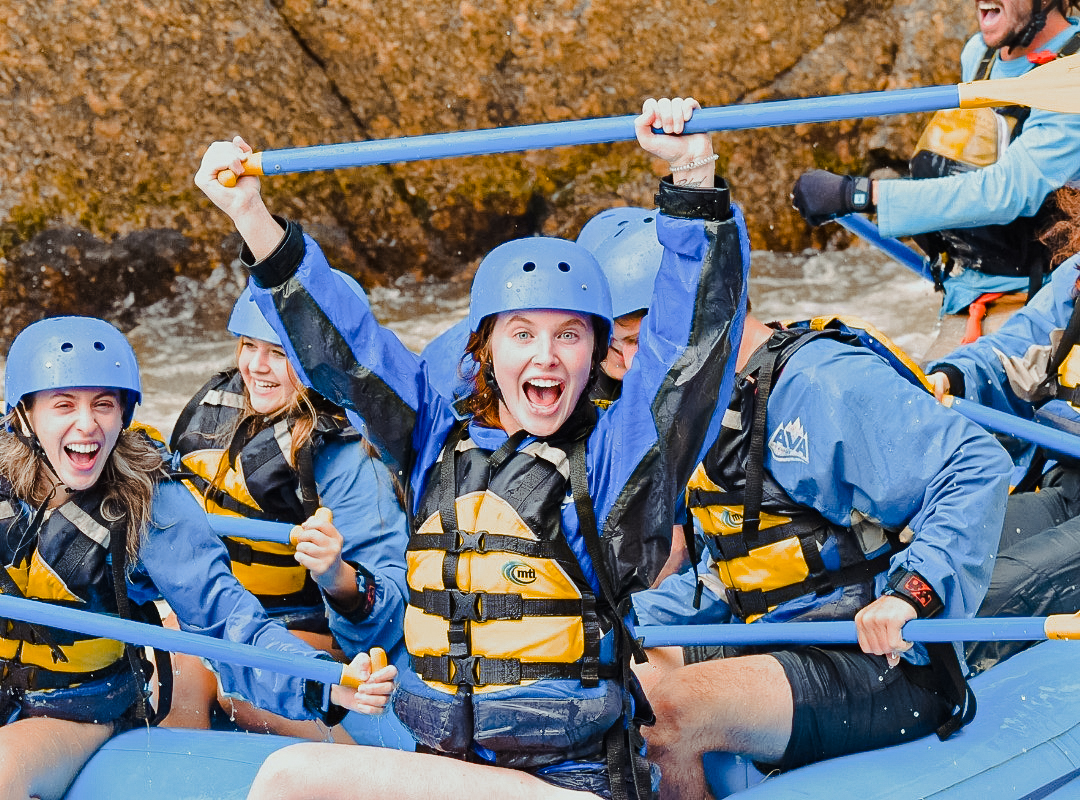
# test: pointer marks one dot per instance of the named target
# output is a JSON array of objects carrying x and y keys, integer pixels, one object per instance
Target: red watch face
[{"x": 919, "y": 590}]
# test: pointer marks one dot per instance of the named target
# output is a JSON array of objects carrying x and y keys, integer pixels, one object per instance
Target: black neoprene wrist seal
[
  {"x": 367, "y": 587},
  {"x": 694, "y": 202},
  {"x": 860, "y": 195},
  {"x": 317, "y": 699},
  {"x": 280, "y": 265},
  {"x": 955, "y": 376},
  {"x": 912, "y": 587}
]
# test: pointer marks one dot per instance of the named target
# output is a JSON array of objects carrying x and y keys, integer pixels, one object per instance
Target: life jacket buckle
[{"x": 469, "y": 541}]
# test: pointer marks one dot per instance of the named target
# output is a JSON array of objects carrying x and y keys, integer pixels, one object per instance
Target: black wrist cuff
[
  {"x": 955, "y": 376},
  {"x": 317, "y": 699},
  {"x": 912, "y": 587},
  {"x": 368, "y": 587},
  {"x": 689, "y": 202},
  {"x": 280, "y": 265},
  {"x": 859, "y": 195}
]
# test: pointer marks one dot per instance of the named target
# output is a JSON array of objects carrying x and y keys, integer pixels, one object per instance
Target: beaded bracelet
[{"x": 701, "y": 162}]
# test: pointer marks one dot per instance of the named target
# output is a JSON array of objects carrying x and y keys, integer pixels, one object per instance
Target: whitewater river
[{"x": 183, "y": 340}]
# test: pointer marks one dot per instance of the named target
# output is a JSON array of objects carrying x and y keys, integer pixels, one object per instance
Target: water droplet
[
  {"x": 902, "y": 731},
  {"x": 916, "y": 713}
]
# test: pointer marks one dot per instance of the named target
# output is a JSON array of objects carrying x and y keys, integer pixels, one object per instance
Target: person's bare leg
[
  {"x": 662, "y": 661},
  {"x": 40, "y": 757},
  {"x": 194, "y": 694},
  {"x": 336, "y": 772},
  {"x": 736, "y": 705},
  {"x": 258, "y": 720}
]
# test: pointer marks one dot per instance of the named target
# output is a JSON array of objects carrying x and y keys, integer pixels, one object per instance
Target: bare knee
[{"x": 281, "y": 776}]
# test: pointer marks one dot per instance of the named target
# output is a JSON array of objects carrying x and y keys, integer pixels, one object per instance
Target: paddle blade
[{"x": 1052, "y": 87}]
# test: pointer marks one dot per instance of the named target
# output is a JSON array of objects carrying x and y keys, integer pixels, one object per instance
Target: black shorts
[{"x": 847, "y": 701}]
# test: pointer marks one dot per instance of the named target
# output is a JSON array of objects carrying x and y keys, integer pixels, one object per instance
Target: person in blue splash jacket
[
  {"x": 985, "y": 178},
  {"x": 835, "y": 490},
  {"x": 1030, "y": 367},
  {"x": 255, "y": 443},
  {"x": 534, "y": 517},
  {"x": 92, "y": 520}
]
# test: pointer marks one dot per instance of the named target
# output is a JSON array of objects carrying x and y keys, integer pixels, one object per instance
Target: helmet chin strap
[
  {"x": 24, "y": 432},
  {"x": 1037, "y": 22}
]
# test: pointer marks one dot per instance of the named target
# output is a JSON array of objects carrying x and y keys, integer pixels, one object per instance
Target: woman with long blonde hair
[
  {"x": 255, "y": 443},
  {"x": 91, "y": 519}
]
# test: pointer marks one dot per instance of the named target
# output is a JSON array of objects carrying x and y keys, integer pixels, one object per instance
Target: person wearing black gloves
[{"x": 985, "y": 176}]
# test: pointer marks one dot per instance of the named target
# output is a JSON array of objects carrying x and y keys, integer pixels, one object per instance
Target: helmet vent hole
[
  {"x": 564, "y": 267},
  {"x": 67, "y": 347},
  {"x": 99, "y": 346},
  {"x": 528, "y": 266}
]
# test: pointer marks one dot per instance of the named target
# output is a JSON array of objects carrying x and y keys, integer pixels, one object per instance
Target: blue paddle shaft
[
  {"x": 1042, "y": 435},
  {"x": 256, "y": 529},
  {"x": 869, "y": 233},
  {"x": 997, "y": 629},
  {"x": 139, "y": 633},
  {"x": 610, "y": 129}
]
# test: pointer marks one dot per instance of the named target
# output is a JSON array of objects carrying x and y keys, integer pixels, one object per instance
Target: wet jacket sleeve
[
  {"x": 1043, "y": 158},
  {"x": 1005, "y": 369},
  {"x": 182, "y": 559},
  {"x": 339, "y": 348},
  {"x": 646, "y": 445},
  {"x": 360, "y": 492},
  {"x": 879, "y": 446}
]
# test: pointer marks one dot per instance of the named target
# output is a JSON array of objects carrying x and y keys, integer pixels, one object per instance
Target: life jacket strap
[
  {"x": 244, "y": 553},
  {"x": 458, "y": 606},
  {"x": 484, "y": 542},
  {"x": 16, "y": 676},
  {"x": 484, "y": 671},
  {"x": 756, "y": 602}
]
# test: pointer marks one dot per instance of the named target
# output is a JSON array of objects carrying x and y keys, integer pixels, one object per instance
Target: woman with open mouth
[
  {"x": 91, "y": 520},
  {"x": 534, "y": 518}
]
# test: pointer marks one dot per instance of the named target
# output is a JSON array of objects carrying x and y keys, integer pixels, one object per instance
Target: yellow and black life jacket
[
  {"x": 961, "y": 140},
  {"x": 74, "y": 558},
  {"x": 260, "y": 481},
  {"x": 768, "y": 549},
  {"x": 516, "y": 655}
]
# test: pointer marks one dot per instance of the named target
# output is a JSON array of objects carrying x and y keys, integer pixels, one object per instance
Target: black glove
[{"x": 821, "y": 196}]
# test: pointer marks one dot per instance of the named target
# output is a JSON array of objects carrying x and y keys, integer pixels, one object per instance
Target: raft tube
[{"x": 1023, "y": 743}]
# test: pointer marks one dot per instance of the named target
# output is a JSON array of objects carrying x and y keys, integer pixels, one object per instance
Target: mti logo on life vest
[{"x": 520, "y": 573}]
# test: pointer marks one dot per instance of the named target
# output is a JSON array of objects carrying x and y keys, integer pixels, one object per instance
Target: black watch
[{"x": 912, "y": 587}]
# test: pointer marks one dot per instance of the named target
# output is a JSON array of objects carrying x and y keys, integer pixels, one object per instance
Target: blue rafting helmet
[
  {"x": 247, "y": 318},
  {"x": 630, "y": 258},
  {"x": 68, "y": 353},
  {"x": 538, "y": 273},
  {"x": 608, "y": 222}
]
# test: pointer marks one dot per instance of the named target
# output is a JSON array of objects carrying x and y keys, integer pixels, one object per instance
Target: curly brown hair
[{"x": 1063, "y": 235}]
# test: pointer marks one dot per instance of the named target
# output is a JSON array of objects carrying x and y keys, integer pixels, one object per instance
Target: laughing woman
[
  {"x": 89, "y": 519},
  {"x": 533, "y": 518},
  {"x": 257, "y": 444}
]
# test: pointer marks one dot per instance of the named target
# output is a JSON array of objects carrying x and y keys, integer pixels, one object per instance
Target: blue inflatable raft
[{"x": 1023, "y": 745}]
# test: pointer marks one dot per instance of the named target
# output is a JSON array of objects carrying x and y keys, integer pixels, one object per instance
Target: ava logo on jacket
[
  {"x": 789, "y": 443},
  {"x": 520, "y": 573}
]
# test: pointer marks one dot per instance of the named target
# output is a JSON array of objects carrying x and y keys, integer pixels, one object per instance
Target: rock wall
[{"x": 106, "y": 107}]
